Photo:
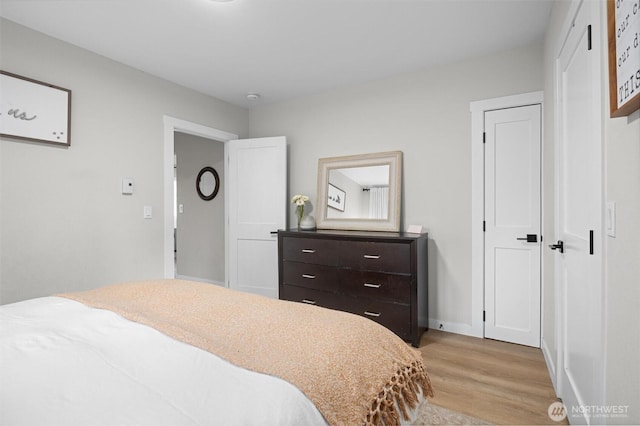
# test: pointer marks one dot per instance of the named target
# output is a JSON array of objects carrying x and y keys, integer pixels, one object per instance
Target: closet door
[{"x": 513, "y": 224}]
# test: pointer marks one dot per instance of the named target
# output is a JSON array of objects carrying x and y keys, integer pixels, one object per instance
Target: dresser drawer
[
  {"x": 310, "y": 276},
  {"x": 376, "y": 285},
  {"x": 311, "y": 297},
  {"x": 308, "y": 250},
  {"x": 395, "y": 317},
  {"x": 373, "y": 256}
]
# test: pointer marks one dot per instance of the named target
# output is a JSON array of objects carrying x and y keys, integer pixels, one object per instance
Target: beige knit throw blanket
[{"x": 351, "y": 368}]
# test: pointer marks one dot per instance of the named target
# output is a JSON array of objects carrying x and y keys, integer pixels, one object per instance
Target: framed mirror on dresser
[
  {"x": 357, "y": 261},
  {"x": 360, "y": 192}
]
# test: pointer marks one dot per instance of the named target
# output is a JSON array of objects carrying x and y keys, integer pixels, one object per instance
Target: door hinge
[
  {"x": 591, "y": 242},
  {"x": 484, "y": 137},
  {"x": 588, "y": 37},
  {"x": 484, "y": 316},
  {"x": 484, "y": 226}
]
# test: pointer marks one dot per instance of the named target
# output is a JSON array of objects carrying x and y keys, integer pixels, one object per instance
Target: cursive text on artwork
[{"x": 15, "y": 112}]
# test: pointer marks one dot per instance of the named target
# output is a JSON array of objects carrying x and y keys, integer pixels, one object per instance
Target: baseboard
[
  {"x": 202, "y": 280},
  {"x": 453, "y": 327},
  {"x": 550, "y": 361}
]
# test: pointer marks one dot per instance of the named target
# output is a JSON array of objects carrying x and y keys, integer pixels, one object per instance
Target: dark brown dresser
[{"x": 380, "y": 275}]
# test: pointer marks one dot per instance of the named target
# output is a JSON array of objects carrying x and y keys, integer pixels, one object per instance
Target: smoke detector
[{"x": 253, "y": 96}]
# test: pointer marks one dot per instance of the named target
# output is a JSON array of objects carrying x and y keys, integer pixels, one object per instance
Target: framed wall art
[
  {"x": 336, "y": 198},
  {"x": 623, "y": 22},
  {"x": 34, "y": 111}
]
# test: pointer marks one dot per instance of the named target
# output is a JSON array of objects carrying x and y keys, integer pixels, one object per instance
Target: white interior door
[
  {"x": 513, "y": 223},
  {"x": 257, "y": 192},
  {"x": 579, "y": 180}
]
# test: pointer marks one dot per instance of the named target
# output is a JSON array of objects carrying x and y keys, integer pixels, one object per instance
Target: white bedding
[{"x": 62, "y": 363}]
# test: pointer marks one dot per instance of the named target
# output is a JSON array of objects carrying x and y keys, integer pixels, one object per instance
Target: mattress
[{"x": 64, "y": 363}]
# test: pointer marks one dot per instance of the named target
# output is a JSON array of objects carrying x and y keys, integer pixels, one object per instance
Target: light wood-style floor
[{"x": 499, "y": 382}]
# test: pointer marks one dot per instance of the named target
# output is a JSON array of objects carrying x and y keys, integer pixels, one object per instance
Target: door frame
[
  {"x": 478, "y": 109},
  {"x": 172, "y": 125}
]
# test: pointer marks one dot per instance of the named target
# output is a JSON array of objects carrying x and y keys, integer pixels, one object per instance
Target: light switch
[
  {"x": 148, "y": 212},
  {"x": 127, "y": 186},
  {"x": 180, "y": 208}
]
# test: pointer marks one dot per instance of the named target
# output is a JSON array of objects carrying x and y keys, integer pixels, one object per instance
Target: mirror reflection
[
  {"x": 358, "y": 193},
  {"x": 207, "y": 183}
]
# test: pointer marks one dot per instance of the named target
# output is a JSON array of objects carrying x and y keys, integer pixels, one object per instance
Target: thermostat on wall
[{"x": 127, "y": 186}]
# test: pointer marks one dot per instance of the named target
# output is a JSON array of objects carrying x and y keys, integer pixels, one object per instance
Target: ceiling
[
  {"x": 365, "y": 176},
  {"x": 284, "y": 49}
]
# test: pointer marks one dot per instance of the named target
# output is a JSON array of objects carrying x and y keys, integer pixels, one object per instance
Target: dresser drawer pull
[
  {"x": 371, "y": 256},
  {"x": 372, "y": 314},
  {"x": 311, "y": 277},
  {"x": 308, "y": 251},
  {"x": 372, "y": 285},
  {"x": 310, "y": 302}
]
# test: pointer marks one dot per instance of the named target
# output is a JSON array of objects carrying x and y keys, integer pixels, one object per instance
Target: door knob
[
  {"x": 530, "y": 238},
  {"x": 559, "y": 245}
]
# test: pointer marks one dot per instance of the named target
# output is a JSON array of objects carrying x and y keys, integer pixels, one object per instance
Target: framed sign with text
[
  {"x": 623, "y": 22},
  {"x": 34, "y": 111}
]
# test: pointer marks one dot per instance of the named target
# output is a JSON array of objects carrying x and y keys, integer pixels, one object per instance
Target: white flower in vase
[{"x": 299, "y": 200}]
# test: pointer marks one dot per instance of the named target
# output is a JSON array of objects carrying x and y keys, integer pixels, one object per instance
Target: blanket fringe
[{"x": 401, "y": 392}]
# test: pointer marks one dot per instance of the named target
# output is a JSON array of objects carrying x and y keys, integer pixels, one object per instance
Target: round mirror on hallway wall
[{"x": 207, "y": 183}]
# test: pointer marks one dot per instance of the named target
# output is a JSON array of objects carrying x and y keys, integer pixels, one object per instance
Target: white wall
[
  {"x": 425, "y": 115},
  {"x": 201, "y": 226},
  {"x": 623, "y": 268},
  {"x": 354, "y": 206},
  {"x": 64, "y": 223},
  {"x": 622, "y": 153}
]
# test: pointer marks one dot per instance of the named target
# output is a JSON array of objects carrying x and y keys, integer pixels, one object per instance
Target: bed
[{"x": 174, "y": 352}]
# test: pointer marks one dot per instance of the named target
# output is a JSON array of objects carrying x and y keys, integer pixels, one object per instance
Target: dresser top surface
[{"x": 339, "y": 234}]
